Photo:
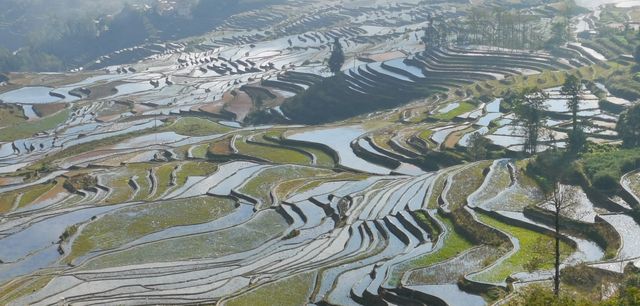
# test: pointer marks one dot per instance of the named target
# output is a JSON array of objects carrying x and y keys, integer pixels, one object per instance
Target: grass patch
[
  {"x": 261, "y": 185},
  {"x": 264, "y": 226},
  {"x": 464, "y": 107},
  {"x": 382, "y": 140},
  {"x": 118, "y": 182},
  {"x": 322, "y": 158},
  {"x": 273, "y": 154},
  {"x": 283, "y": 190},
  {"x": 426, "y": 135},
  {"x": 194, "y": 126},
  {"x": 454, "y": 244},
  {"x": 133, "y": 222},
  {"x": 200, "y": 151},
  {"x": 163, "y": 178},
  {"x": 34, "y": 192},
  {"x": 27, "y": 129},
  {"x": 465, "y": 183},
  {"x": 194, "y": 169},
  {"x": 535, "y": 253},
  {"x": 29, "y": 194},
  {"x": 438, "y": 187},
  {"x": 11, "y": 114},
  {"x": 23, "y": 287},
  {"x": 85, "y": 147},
  {"x": 7, "y": 199},
  {"x": 293, "y": 291}
]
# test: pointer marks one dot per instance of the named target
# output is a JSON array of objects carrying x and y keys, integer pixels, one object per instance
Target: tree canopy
[
  {"x": 572, "y": 90},
  {"x": 629, "y": 127},
  {"x": 530, "y": 112}
]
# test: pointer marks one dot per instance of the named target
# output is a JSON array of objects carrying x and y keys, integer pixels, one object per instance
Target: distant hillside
[{"x": 48, "y": 35}]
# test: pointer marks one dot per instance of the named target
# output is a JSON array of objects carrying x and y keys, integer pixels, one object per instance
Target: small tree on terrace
[
  {"x": 530, "y": 115},
  {"x": 478, "y": 146},
  {"x": 336, "y": 60},
  {"x": 572, "y": 90},
  {"x": 431, "y": 38},
  {"x": 560, "y": 34}
]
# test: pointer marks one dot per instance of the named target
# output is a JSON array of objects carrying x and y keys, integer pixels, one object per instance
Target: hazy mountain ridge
[{"x": 64, "y": 34}]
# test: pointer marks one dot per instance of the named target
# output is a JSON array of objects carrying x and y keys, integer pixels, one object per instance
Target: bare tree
[{"x": 562, "y": 200}]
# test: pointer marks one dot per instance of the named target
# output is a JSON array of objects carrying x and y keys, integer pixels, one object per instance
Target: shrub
[
  {"x": 80, "y": 182},
  {"x": 474, "y": 231},
  {"x": 605, "y": 180},
  {"x": 580, "y": 275},
  {"x": 534, "y": 263},
  {"x": 292, "y": 234}
]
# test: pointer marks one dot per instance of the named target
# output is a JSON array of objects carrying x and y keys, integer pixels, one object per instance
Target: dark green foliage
[
  {"x": 577, "y": 139},
  {"x": 560, "y": 35},
  {"x": 433, "y": 228},
  {"x": 629, "y": 127},
  {"x": 605, "y": 169},
  {"x": 337, "y": 57},
  {"x": 431, "y": 37},
  {"x": 474, "y": 231},
  {"x": 572, "y": 90},
  {"x": 602, "y": 168},
  {"x": 435, "y": 160},
  {"x": 636, "y": 54},
  {"x": 70, "y": 231},
  {"x": 550, "y": 167},
  {"x": 478, "y": 147},
  {"x": 580, "y": 276}
]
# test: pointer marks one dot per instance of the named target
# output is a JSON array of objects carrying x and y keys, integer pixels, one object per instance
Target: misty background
[{"x": 56, "y": 35}]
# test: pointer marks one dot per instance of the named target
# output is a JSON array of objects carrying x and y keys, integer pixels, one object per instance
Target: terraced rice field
[{"x": 162, "y": 184}]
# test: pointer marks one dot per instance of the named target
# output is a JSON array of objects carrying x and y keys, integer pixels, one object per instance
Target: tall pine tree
[
  {"x": 337, "y": 57},
  {"x": 572, "y": 90}
]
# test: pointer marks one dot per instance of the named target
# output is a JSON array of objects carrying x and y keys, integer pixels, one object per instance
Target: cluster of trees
[
  {"x": 531, "y": 112},
  {"x": 531, "y": 116},
  {"x": 497, "y": 27}
]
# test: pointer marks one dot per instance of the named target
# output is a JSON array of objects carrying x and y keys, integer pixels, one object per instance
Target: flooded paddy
[
  {"x": 30, "y": 95},
  {"x": 159, "y": 186}
]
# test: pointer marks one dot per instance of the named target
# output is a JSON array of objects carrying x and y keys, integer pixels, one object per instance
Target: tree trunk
[{"x": 556, "y": 278}]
